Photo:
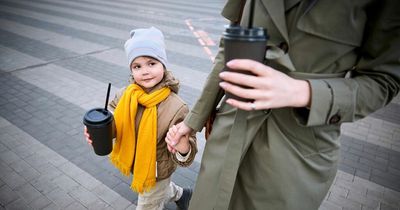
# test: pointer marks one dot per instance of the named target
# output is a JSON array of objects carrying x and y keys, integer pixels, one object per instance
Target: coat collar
[{"x": 277, "y": 9}]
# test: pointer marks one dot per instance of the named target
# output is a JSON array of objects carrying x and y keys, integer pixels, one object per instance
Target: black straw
[
  {"x": 108, "y": 95},
  {"x": 252, "y": 3}
]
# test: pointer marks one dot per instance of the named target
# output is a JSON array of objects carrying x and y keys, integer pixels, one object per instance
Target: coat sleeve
[
  {"x": 375, "y": 79},
  {"x": 209, "y": 96},
  {"x": 179, "y": 117}
]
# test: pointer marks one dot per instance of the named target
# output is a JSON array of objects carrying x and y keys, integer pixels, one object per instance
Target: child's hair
[{"x": 146, "y": 42}]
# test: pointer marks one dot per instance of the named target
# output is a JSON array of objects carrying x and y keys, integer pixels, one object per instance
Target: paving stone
[
  {"x": 11, "y": 59},
  {"x": 75, "y": 206},
  {"x": 40, "y": 203},
  {"x": 362, "y": 189},
  {"x": 346, "y": 168},
  {"x": 9, "y": 157},
  {"x": 385, "y": 179},
  {"x": 391, "y": 197},
  {"x": 384, "y": 206},
  {"x": 346, "y": 203},
  {"x": 43, "y": 185},
  {"x": 17, "y": 204},
  {"x": 87, "y": 181},
  {"x": 339, "y": 191},
  {"x": 28, "y": 192},
  {"x": 48, "y": 171},
  {"x": 368, "y": 164},
  {"x": 182, "y": 180},
  {"x": 99, "y": 204},
  {"x": 19, "y": 165},
  {"x": 125, "y": 191},
  {"x": 23, "y": 151},
  {"x": 187, "y": 173},
  {"x": 364, "y": 200},
  {"x": 52, "y": 206},
  {"x": 65, "y": 182},
  {"x": 390, "y": 113},
  {"x": 131, "y": 207},
  {"x": 121, "y": 203},
  {"x": 106, "y": 194},
  {"x": 363, "y": 174},
  {"x": 36, "y": 160},
  {"x": 3, "y": 148},
  {"x": 60, "y": 197},
  {"x": 81, "y": 194},
  {"x": 70, "y": 169},
  {"x": 13, "y": 180},
  {"x": 7, "y": 195},
  {"x": 328, "y": 205},
  {"x": 31, "y": 47},
  {"x": 108, "y": 179}
]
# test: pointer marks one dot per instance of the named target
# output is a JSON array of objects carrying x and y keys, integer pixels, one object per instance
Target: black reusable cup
[
  {"x": 244, "y": 43},
  {"x": 99, "y": 126}
]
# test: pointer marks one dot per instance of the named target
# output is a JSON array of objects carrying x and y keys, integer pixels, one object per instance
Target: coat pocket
[{"x": 307, "y": 141}]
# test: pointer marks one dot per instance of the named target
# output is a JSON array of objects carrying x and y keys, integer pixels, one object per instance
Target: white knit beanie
[{"x": 146, "y": 42}]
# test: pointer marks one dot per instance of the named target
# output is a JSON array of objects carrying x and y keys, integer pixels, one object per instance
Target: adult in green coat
[{"x": 327, "y": 63}]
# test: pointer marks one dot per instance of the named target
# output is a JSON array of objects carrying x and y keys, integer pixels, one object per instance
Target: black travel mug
[
  {"x": 244, "y": 43},
  {"x": 99, "y": 123}
]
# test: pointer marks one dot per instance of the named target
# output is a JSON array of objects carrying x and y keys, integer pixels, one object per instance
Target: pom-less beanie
[{"x": 146, "y": 42}]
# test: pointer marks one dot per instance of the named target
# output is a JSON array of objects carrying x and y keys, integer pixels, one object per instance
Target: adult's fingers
[
  {"x": 242, "y": 92},
  {"x": 169, "y": 148},
  {"x": 240, "y": 104},
  {"x": 252, "y": 66},
  {"x": 172, "y": 138}
]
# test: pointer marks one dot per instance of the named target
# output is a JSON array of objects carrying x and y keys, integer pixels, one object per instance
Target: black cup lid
[
  {"x": 238, "y": 32},
  {"x": 97, "y": 116}
]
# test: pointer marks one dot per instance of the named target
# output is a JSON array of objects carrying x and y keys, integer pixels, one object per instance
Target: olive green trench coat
[{"x": 349, "y": 52}]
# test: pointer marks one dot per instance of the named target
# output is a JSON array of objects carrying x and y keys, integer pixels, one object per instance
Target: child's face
[{"x": 147, "y": 71}]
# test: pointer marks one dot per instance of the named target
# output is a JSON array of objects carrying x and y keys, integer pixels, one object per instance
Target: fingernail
[{"x": 222, "y": 84}]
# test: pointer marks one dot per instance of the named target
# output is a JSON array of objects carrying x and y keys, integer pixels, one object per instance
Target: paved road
[{"x": 56, "y": 58}]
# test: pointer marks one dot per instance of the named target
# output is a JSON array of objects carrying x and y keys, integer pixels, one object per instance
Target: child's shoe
[{"x": 183, "y": 202}]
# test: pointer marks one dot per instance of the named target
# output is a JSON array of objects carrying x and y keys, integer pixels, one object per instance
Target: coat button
[
  {"x": 334, "y": 119},
  {"x": 284, "y": 46}
]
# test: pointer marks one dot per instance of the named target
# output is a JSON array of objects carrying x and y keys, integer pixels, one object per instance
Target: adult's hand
[
  {"x": 269, "y": 88},
  {"x": 176, "y": 134}
]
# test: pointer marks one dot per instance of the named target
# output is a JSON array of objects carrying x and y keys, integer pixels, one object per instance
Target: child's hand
[
  {"x": 87, "y": 136},
  {"x": 182, "y": 145}
]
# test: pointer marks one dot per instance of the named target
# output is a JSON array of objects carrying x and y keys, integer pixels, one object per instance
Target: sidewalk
[{"x": 56, "y": 59}]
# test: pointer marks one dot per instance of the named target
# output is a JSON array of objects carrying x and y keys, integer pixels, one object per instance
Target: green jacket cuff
[{"x": 332, "y": 102}]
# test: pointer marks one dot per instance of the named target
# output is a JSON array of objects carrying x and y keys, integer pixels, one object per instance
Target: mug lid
[
  {"x": 97, "y": 116},
  {"x": 239, "y": 32}
]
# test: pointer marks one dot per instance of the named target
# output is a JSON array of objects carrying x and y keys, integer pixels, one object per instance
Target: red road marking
[{"x": 202, "y": 38}]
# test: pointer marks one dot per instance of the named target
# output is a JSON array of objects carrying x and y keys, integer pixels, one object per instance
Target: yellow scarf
[{"x": 126, "y": 144}]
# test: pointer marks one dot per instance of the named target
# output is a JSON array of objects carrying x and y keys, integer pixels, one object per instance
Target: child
[{"x": 144, "y": 111}]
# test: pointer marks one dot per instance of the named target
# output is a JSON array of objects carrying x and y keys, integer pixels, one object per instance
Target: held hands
[
  {"x": 269, "y": 88},
  {"x": 177, "y": 138}
]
